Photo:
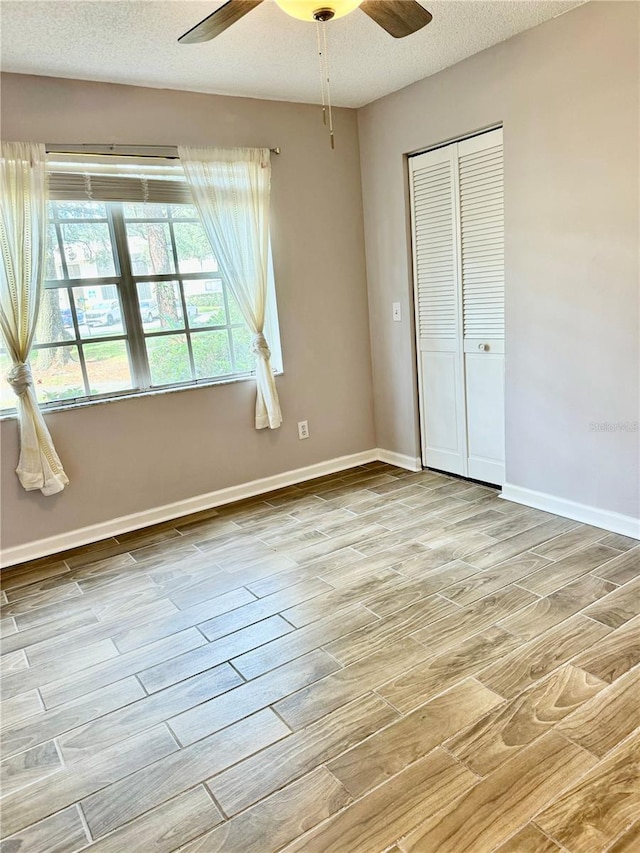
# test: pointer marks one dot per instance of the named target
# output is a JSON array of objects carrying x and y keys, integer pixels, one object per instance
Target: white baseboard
[
  {"x": 411, "y": 463},
  {"x": 626, "y": 525},
  {"x": 167, "y": 512},
  {"x": 137, "y": 520}
]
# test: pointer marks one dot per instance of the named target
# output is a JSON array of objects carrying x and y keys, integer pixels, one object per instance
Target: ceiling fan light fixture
[{"x": 316, "y": 10}]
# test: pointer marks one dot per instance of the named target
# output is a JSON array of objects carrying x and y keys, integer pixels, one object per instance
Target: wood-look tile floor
[{"x": 372, "y": 661}]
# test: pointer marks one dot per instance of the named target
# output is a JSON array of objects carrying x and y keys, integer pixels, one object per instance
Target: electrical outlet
[
  {"x": 303, "y": 429},
  {"x": 397, "y": 313}
]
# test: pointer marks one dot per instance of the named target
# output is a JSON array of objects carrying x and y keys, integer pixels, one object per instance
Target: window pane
[
  {"x": 87, "y": 248},
  {"x": 145, "y": 211},
  {"x": 108, "y": 367},
  {"x": 205, "y": 303},
  {"x": 57, "y": 373},
  {"x": 211, "y": 354},
  {"x": 150, "y": 248},
  {"x": 7, "y": 397},
  {"x": 55, "y": 322},
  {"x": 160, "y": 305},
  {"x": 99, "y": 311},
  {"x": 53, "y": 261},
  {"x": 193, "y": 248},
  {"x": 168, "y": 359},
  {"x": 234, "y": 308},
  {"x": 80, "y": 210},
  {"x": 245, "y": 359},
  {"x": 184, "y": 211}
]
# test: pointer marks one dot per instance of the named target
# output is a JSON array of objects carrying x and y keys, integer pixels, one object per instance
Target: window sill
[{"x": 12, "y": 415}]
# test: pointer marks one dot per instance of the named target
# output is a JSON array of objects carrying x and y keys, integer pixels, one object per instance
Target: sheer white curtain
[
  {"x": 231, "y": 190},
  {"x": 23, "y": 230}
]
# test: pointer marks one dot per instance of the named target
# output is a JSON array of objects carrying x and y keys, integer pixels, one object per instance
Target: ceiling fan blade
[
  {"x": 218, "y": 21},
  {"x": 399, "y": 18}
]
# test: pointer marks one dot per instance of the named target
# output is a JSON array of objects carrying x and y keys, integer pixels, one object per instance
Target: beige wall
[
  {"x": 567, "y": 93},
  {"x": 132, "y": 455}
]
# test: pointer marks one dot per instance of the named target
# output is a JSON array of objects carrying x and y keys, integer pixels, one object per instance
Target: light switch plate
[{"x": 397, "y": 313}]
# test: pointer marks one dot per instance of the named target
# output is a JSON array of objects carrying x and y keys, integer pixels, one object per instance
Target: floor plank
[
  {"x": 283, "y": 601},
  {"x": 274, "y": 767},
  {"x": 601, "y": 805},
  {"x": 114, "y": 669},
  {"x": 206, "y": 656},
  {"x": 163, "y": 626},
  {"x": 21, "y": 770},
  {"x": 164, "y": 828},
  {"x": 11, "y": 663},
  {"x": 96, "y": 735},
  {"x": 529, "y": 840},
  {"x": 618, "y": 607},
  {"x": 209, "y": 716},
  {"x": 61, "y": 833},
  {"x": 616, "y": 654},
  {"x": 78, "y": 781},
  {"x": 20, "y": 708},
  {"x": 400, "y": 744},
  {"x": 259, "y": 661},
  {"x": 439, "y": 672},
  {"x": 509, "y": 728},
  {"x": 152, "y": 785},
  {"x": 45, "y": 725},
  {"x": 526, "y": 664},
  {"x": 474, "y": 618},
  {"x": 409, "y": 590},
  {"x": 41, "y": 674},
  {"x": 381, "y": 633},
  {"x": 604, "y": 721},
  {"x": 547, "y": 612},
  {"x": 490, "y": 811},
  {"x": 629, "y": 841},
  {"x": 507, "y": 548},
  {"x": 488, "y": 581},
  {"x": 567, "y": 543},
  {"x": 551, "y": 578},
  {"x": 323, "y": 696},
  {"x": 278, "y": 819},
  {"x": 380, "y": 817},
  {"x": 624, "y": 568}
]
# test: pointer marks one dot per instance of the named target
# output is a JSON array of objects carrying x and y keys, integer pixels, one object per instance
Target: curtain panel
[
  {"x": 23, "y": 232},
  {"x": 231, "y": 190}
]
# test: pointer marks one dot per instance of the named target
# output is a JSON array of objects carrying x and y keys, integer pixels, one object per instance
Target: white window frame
[{"x": 133, "y": 332}]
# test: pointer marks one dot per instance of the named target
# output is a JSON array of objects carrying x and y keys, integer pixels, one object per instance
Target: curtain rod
[{"x": 171, "y": 150}]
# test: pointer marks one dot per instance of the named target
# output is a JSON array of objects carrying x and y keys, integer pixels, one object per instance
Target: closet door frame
[{"x": 460, "y": 352}]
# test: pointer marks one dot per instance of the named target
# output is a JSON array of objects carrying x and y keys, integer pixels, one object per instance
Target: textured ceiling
[{"x": 265, "y": 55}]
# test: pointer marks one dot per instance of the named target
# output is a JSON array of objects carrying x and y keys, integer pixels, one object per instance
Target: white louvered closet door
[
  {"x": 438, "y": 308},
  {"x": 482, "y": 263},
  {"x": 457, "y": 205}
]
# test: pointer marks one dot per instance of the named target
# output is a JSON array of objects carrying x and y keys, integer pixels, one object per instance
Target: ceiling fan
[{"x": 399, "y": 18}]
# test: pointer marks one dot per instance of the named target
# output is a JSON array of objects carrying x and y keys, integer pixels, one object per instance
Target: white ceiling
[{"x": 265, "y": 55}]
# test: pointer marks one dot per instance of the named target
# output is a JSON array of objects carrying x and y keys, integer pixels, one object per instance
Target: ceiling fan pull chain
[
  {"x": 322, "y": 75},
  {"x": 328, "y": 82}
]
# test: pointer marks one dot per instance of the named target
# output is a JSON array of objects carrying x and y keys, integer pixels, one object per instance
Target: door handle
[{"x": 483, "y": 347}]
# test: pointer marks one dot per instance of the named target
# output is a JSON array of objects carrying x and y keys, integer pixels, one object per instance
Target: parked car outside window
[
  {"x": 103, "y": 313},
  {"x": 149, "y": 310},
  {"x": 67, "y": 319}
]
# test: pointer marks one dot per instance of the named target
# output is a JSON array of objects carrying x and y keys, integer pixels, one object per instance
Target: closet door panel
[
  {"x": 438, "y": 309},
  {"x": 482, "y": 284},
  {"x": 445, "y": 448},
  {"x": 485, "y": 416}
]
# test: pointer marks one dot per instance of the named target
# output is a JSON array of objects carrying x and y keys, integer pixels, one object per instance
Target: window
[{"x": 133, "y": 301}]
